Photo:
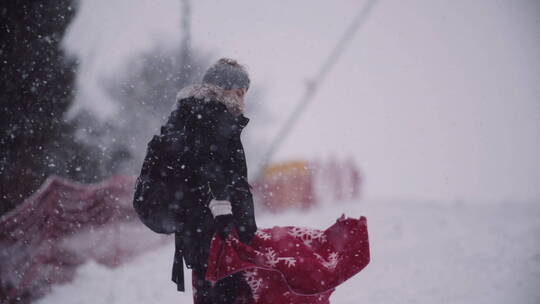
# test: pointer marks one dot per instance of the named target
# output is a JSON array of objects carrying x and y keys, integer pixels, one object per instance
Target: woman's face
[{"x": 238, "y": 94}]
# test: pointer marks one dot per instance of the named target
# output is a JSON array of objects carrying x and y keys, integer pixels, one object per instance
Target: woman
[
  {"x": 210, "y": 115},
  {"x": 194, "y": 183}
]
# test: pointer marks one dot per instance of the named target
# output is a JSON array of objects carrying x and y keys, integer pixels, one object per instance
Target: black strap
[{"x": 178, "y": 265}]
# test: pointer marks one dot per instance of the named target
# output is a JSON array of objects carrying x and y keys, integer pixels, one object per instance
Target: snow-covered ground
[{"x": 421, "y": 253}]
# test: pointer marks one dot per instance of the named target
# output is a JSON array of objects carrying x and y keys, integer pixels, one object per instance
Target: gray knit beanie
[{"x": 227, "y": 74}]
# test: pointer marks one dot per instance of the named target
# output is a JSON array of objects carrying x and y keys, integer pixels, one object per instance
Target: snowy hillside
[{"x": 421, "y": 253}]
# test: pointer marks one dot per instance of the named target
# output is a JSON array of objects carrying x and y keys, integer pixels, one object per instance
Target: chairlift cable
[{"x": 313, "y": 85}]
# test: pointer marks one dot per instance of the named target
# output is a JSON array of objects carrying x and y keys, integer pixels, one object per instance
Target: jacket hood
[{"x": 207, "y": 92}]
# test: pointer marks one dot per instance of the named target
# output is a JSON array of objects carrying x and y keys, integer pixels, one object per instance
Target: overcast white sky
[{"x": 433, "y": 99}]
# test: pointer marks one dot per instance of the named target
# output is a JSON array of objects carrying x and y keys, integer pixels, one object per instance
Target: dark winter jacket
[{"x": 212, "y": 165}]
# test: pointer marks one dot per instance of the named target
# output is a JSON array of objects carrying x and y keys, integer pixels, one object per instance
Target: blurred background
[{"x": 422, "y": 115}]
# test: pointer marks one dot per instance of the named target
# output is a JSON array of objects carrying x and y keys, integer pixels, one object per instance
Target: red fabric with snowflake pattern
[{"x": 293, "y": 264}]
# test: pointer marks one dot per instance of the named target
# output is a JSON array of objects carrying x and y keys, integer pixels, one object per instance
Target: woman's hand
[{"x": 224, "y": 225}]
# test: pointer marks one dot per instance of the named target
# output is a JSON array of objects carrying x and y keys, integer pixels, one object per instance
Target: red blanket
[{"x": 293, "y": 264}]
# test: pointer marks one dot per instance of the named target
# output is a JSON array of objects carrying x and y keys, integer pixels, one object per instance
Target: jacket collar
[
  {"x": 242, "y": 121},
  {"x": 207, "y": 92}
]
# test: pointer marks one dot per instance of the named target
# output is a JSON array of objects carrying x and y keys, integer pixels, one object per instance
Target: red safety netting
[{"x": 61, "y": 226}]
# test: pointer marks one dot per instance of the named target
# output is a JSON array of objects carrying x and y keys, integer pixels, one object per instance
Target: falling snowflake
[
  {"x": 263, "y": 235},
  {"x": 253, "y": 282},
  {"x": 307, "y": 235}
]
